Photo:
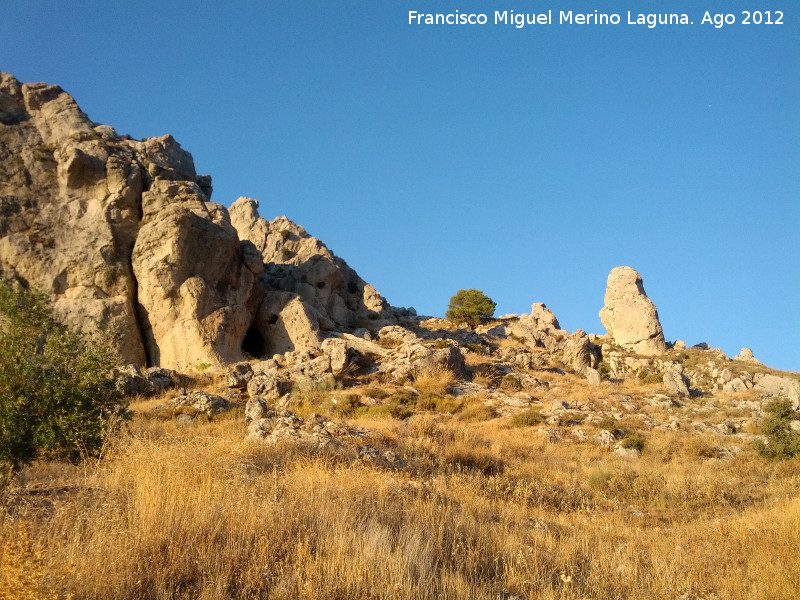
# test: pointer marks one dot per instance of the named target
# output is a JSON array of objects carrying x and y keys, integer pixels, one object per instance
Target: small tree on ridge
[{"x": 470, "y": 307}]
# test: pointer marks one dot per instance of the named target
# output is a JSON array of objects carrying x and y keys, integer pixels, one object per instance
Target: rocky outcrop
[
  {"x": 300, "y": 264},
  {"x": 122, "y": 235},
  {"x": 580, "y": 355},
  {"x": 629, "y": 316},
  {"x": 69, "y": 209},
  {"x": 197, "y": 298},
  {"x": 539, "y": 328},
  {"x": 746, "y": 355}
]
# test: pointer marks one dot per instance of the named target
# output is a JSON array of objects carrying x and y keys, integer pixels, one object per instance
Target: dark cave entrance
[{"x": 254, "y": 343}]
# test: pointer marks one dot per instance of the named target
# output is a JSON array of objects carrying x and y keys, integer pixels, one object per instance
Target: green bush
[
  {"x": 633, "y": 439},
  {"x": 782, "y": 442},
  {"x": 476, "y": 411},
  {"x": 470, "y": 307},
  {"x": 511, "y": 383},
  {"x": 347, "y": 404},
  {"x": 57, "y": 399},
  {"x": 647, "y": 376},
  {"x": 527, "y": 418},
  {"x": 604, "y": 369}
]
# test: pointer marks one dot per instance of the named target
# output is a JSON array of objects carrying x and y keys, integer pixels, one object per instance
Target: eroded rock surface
[{"x": 629, "y": 316}]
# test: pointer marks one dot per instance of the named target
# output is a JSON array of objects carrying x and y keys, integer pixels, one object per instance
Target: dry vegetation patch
[{"x": 479, "y": 508}]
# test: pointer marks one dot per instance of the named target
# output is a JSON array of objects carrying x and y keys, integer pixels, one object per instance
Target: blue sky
[{"x": 524, "y": 162}]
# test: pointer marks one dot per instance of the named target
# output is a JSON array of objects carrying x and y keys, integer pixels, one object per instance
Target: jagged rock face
[
  {"x": 629, "y": 316},
  {"x": 285, "y": 323},
  {"x": 197, "y": 298},
  {"x": 69, "y": 208},
  {"x": 540, "y": 328},
  {"x": 298, "y": 263},
  {"x": 120, "y": 233}
]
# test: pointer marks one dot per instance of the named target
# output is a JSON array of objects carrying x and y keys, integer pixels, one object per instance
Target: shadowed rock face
[{"x": 629, "y": 316}]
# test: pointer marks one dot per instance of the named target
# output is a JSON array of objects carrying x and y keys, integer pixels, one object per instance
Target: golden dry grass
[
  {"x": 480, "y": 510},
  {"x": 434, "y": 380}
]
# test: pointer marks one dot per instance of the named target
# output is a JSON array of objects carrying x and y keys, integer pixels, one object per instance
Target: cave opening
[{"x": 254, "y": 343}]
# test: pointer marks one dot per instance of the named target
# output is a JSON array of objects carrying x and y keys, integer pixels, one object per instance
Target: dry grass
[
  {"x": 435, "y": 380},
  {"x": 481, "y": 510}
]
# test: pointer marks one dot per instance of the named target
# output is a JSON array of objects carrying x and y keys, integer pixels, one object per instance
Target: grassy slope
[{"x": 480, "y": 510}]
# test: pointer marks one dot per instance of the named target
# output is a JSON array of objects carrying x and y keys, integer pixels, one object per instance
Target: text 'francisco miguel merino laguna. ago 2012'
[{"x": 568, "y": 17}]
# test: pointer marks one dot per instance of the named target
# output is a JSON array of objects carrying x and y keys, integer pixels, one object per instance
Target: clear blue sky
[{"x": 523, "y": 162}]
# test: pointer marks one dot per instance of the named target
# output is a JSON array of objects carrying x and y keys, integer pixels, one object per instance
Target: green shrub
[
  {"x": 527, "y": 418},
  {"x": 605, "y": 371},
  {"x": 607, "y": 423},
  {"x": 376, "y": 392},
  {"x": 57, "y": 397},
  {"x": 382, "y": 411},
  {"x": 782, "y": 442},
  {"x": 404, "y": 397},
  {"x": 647, "y": 376},
  {"x": 511, "y": 383},
  {"x": 347, "y": 404},
  {"x": 470, "y": 307},
  {"x": 633, "y": 439},
  {"x": 568, "y": 419}
]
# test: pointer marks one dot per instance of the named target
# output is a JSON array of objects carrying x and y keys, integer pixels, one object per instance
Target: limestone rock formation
[
  {"x": 629, "y": 316},
  {"x": 196, "y": 296},
  {"x": 122, "y": 235},
  {"x": 69, "y": 208},
  {"x": 747, "y": 355},
  {"x": 300, "y": 264},
  {"x": 539, "y": 328}
]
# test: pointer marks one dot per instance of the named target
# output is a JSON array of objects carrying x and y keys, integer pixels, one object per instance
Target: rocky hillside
[{"x": 123, "y": 236}]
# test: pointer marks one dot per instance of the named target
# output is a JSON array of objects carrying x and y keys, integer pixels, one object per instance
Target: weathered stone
[
  {"x": 188, "y": 264},
  {"x": 239, "y": 375},
  {"x": 676, "y": 381},
  {"x": 69, "y": 210},
  {"x": 286, "y": 323},
  {"x": 198, "y": 402},
  {"x": 779, "y": 386},
  {"x": 264, "y": 386},
  {"x": 298, "y": 263},
  {"x": 256, "y": 408},
  {"x": 746, "y": 355},
  {"x": 629, "y": 316},
  {"x": 579, "y": 353},
  {"x": 605, "y": 438},
  {"x": 336, "y": 350},
  {"x": 130, "y": 381},
  {"x": 162, "y": 379},
  {"x": 542, "y": 318}
]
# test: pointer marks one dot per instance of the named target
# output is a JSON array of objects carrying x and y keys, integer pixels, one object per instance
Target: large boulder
[
  {"x": 285, "y": 323},
  {"x": 580, "y": 355},
  {"x": 197, "y": 298},
  {"x": 629, "y": 316},
  {"x": 775, "y": 385}
]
